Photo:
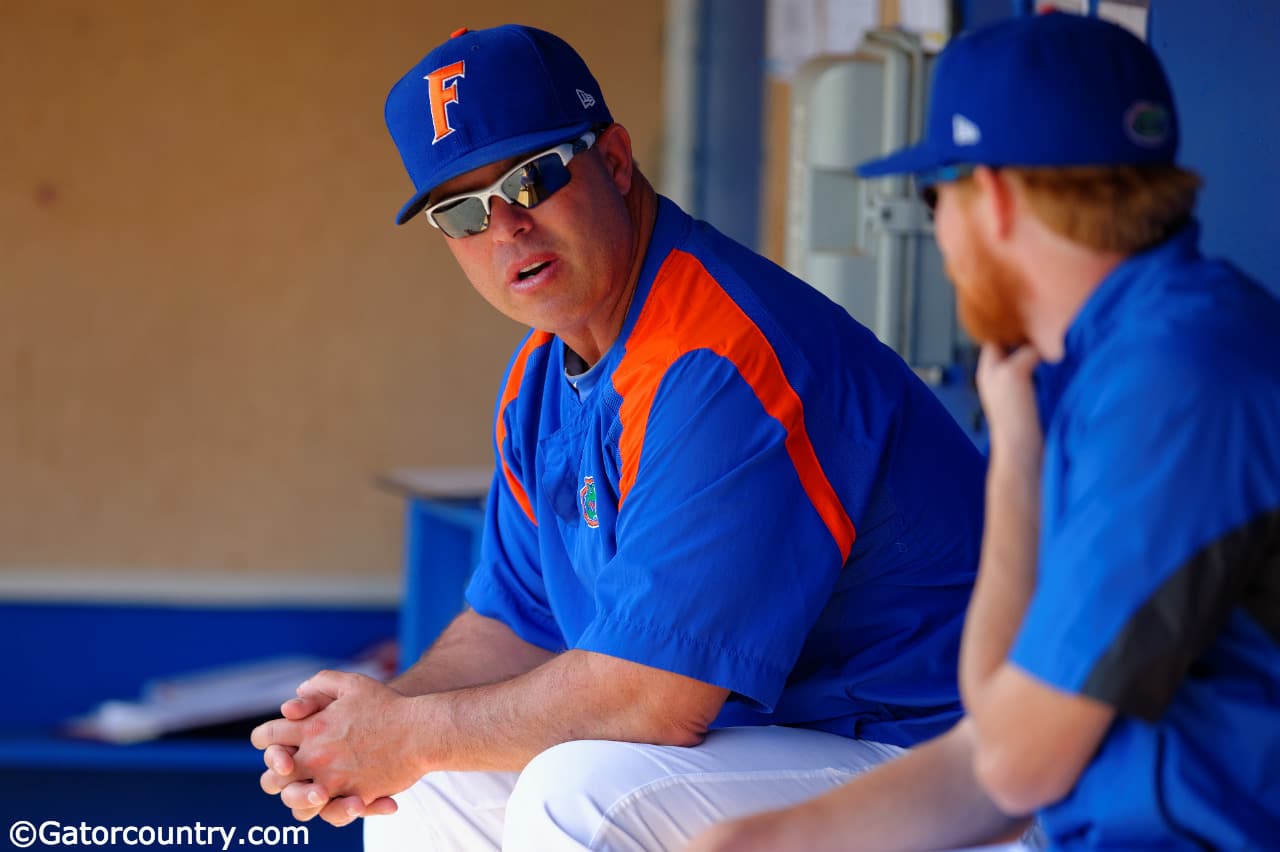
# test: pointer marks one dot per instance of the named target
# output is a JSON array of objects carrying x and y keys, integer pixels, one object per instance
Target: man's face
[
  {"x": 988, "y": 291},
  {"x": 574, "y": 248}
]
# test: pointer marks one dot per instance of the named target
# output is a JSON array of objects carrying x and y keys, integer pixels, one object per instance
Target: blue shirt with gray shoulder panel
[{"x": 1158, "y": 590}]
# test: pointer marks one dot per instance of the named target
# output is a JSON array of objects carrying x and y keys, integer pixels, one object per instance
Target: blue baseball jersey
[
  {"x": 1159, "y": 570},
  {"x": 747, "y": 489}
]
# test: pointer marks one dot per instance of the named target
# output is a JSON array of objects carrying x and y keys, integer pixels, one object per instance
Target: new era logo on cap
[
  {"x": 964, "y": 132},
  {"x": 586, "y": 99}
]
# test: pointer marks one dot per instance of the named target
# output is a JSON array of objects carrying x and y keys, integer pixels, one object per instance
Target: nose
[{"x": 508, "y": 221}]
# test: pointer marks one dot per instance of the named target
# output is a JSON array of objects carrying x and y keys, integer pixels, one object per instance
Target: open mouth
[{"x": 532, "y": 270}]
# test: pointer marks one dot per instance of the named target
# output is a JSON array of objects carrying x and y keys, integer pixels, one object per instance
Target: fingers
[
  {"x": 348, "y": 809},
  {"x": 327, "y": 685},
  {"x": 1007, "y": 391},
  {"x": 277, "y": 731},
  {"x": 1023, "y": 359},
  {"x": 275, "y": 782},
  {"x": 280, "y": 769},
  {"x": 296, "y": 709},
  {"x": 280, "y": 740},
  {"x": 305, "y": 814},
  {"x": 272, "y": 783},
  {"x": 988, "y": 361},
  {"x": 384, "y": 806},
  {"x": 993, "y": 356},
  {"x": 279, "y": 759},
  {"x": 304, "y": 795},
  {"x": 307, "y": 800},
  {"x": 1003, "y": 373},
  {"x": 343, "y": 811}
]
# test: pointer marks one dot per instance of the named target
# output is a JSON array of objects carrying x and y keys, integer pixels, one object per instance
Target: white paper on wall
[
  {"x": 799, "y": 30},
  {"x": 848, "y": 21},
  {"x": 930, "y": 19},
  {"x": 1130, "y": 14}
]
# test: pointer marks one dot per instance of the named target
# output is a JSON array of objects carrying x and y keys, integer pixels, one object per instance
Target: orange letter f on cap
[{"x": 443, "y": 92}]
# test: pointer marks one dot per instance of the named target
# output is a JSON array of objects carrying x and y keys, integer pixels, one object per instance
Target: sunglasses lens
[
  {"x": 537, "y": 181},
  {"x": 465, "y": 217},
  {"x": 527, "y": 185}
]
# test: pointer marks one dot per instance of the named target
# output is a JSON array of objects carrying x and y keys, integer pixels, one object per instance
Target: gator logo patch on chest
[{"x": 587, "y": 494}]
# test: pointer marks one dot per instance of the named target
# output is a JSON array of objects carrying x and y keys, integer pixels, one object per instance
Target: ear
[
  {"x": 994, "y": 204},
  {"x": 614, "y": 146}
]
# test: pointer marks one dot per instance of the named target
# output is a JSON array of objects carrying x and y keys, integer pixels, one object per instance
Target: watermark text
[{"x": 26, "y": 834}]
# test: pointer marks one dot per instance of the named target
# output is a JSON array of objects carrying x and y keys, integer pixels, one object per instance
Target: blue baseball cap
[
  {"x": 485, "y": 96},
  {"x": 1043, "y": 90}
]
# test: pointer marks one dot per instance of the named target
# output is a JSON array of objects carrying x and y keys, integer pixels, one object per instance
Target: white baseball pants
[{"x": 621, "y": 797}]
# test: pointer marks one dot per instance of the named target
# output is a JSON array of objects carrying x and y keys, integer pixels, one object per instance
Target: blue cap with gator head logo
[
  {"x": 1046, "y": 90},
  {"x": 486, "y": 96}
]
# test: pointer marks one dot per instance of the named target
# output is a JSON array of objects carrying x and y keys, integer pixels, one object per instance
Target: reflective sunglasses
[
  {"x": 528, "y": 185},
  {"x": 927, "y": 183}
]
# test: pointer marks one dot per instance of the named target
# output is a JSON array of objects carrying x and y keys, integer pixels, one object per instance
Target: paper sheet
[
  {"x": 930, "y": 19},
  {"x": 848, "y": 21},
  {"x": 1130, "y": 14},
  {"x": 799, "y": 30}
]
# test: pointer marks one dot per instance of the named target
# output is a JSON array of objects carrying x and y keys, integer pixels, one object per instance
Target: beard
[{"x": 988, "y": 299}]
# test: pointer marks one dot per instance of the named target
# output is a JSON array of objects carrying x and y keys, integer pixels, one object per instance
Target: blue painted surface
[
  {"x": 979, "y": 12},
  {"x": 442, "y": 546},
  {"x": 1222, "y": 63},
  {"x": 70, "y": 657},
  {"x": 23, "y": 749},
  {"x": 728, "y": 152},
  {"x": 65, "y": 658}
]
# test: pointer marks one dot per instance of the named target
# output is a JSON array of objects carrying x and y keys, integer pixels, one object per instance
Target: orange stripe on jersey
[
  {"x": 687, "y": 310},
  {"x": 510, "y": 392}
]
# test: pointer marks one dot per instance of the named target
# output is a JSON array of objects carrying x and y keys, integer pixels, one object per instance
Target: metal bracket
[{"x": 897, "y": 215}]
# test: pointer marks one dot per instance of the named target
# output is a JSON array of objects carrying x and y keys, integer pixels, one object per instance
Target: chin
[
  {"x": 1008, "y": 335},
  {"x": 989, "y": 310}
]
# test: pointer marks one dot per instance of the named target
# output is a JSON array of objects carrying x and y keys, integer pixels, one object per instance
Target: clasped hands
[{"x": 341, "y": 749}]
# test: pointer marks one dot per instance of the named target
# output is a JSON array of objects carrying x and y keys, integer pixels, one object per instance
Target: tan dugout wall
[{"x": 212, "y": 337}]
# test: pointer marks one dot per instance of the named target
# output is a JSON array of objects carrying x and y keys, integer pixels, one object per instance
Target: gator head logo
[
  {"x": 1148, "y": 124},
  {"x": 587, "y": 494}
]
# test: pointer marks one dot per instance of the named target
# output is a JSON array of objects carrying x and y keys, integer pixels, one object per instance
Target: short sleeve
[
  {"x": 1145, "y": 486},
  {"x": 723, "y": 563},
  {"x": 507, "y": 583}
]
